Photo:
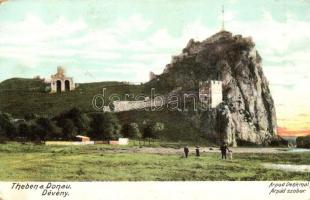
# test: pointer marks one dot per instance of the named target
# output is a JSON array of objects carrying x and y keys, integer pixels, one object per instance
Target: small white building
[
  {"x": 83, "y": 138},
  {"x": 123, "y": 141}
]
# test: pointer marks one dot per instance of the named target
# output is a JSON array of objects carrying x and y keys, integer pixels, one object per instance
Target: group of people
[
  {"x": 186, "y": 151},
  {"x": 223, "y": 148}
]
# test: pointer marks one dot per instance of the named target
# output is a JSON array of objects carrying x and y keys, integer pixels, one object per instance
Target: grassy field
[{"x": 114, "y": 163}]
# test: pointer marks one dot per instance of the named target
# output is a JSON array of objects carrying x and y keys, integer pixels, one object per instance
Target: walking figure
[
  {"x": 224, "y": 150},
  {"x": 197, "y": 151},
  {"x": 186, "y": 151}
]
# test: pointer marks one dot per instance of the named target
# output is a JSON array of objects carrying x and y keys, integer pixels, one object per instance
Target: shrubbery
[
  {"x": 303, "y": 142},
  {"x": 65, "y": 126},
  {"x": 7, "y": 128},
  {"x": 104, "y": 126},
  {"x": 151, "y": 130}
]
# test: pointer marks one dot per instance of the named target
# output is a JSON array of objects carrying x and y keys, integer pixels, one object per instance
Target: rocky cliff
[{"x": 247, "y": 113}]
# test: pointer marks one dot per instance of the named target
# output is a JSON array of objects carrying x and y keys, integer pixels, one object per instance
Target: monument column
[{"x": 63, "y": 85}]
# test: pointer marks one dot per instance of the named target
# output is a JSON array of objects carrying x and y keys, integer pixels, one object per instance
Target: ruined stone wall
[
  {"x": 216, "y": 93},
  {"x": 210, "y": 93},
  {"x": 121, "y": 106}
]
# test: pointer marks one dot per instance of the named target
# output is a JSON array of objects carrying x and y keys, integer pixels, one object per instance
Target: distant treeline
[
  {"x": 65, "y": 126},
  {"x": 303, "y": 142}
]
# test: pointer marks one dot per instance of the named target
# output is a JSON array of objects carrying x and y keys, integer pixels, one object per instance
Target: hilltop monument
[{"x": 60, "y": 82}]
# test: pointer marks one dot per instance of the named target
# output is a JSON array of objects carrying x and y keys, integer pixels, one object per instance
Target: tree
[
  {"x": 30, "y": 116},
  {"x": 104, "y": 126},
  {"x": 303, "y": 141},
  {"x": 132, "y": 131},
  {"x": 125, "y": 130},
  {"x": 7, "y": 128},
  {"x": 152, "y": 129},
  {"x": 80, "y": 120},
  {"x": 35, "y": 131},
  {"x": 147, "y": 131},
  {"x": 24, "y": 130},
  {"x": 157, "y": 128},
  {"x": 69, "y": 131},
  {"x": 46, "y": 129}
]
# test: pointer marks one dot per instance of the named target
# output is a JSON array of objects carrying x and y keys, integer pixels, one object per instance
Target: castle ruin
[{"x": 210, "y": 93}]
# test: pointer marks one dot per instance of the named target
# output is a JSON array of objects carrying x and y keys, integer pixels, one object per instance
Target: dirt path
[{"x": 161, "y": 150}]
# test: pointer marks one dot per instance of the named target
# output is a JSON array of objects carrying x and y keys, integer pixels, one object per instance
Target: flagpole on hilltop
[{"x": 223, "y": 21}]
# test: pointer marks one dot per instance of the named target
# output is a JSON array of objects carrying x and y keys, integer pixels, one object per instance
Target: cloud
[
  {"x": 232, "y": 1},
  {"x": 276, "y": 35},
  {"x": 64, "y": 39},
  {"x": 33, "y": 31},
  {"x": 134, "y": 23},
  {"x": 287, "y": 132},
  {"x": 196, "y": 30}
]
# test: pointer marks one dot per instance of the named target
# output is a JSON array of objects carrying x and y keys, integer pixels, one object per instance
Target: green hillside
[
  {"x": 22, "y": 84},
  {"x": 183, "y": 126},
  {"x": 20, "y": 96}
]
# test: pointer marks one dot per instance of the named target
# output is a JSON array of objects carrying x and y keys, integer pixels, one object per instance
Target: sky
[{"x": 123, "y": 40}]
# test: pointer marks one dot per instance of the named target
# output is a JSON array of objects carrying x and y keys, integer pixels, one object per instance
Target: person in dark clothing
[
  {"x": 197, "y": 151},
  {"x": 186, "y": 151},
  {"x": 224, "y": 150}
]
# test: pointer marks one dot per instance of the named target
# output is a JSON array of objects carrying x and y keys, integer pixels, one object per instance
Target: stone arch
[
  {"x": 67, "y": 85},
  {"x": 58, "y": 85}
]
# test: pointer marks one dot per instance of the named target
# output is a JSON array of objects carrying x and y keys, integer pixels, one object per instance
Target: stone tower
[
  {"x": 61, "y": 83},
  {"x": 210, "y": 93}
]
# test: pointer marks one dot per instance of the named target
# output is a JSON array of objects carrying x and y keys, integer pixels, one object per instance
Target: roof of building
[{"x": 81, "y": 136}]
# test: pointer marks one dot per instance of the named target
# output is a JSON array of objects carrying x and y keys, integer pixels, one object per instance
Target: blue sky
[{"x": 98, "y": 40}]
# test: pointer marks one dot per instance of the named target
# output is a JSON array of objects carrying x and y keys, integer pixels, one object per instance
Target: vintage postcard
[{"x": 154, "y": 99}]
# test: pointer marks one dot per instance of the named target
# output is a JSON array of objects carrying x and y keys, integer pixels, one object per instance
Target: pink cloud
[{"x": 282, "y": 131}]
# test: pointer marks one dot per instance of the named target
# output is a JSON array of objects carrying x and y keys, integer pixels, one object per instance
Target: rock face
[{"x": 247, "y": 113}]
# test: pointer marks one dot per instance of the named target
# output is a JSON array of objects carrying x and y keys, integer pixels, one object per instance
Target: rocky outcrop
[{"x": 247, "y": 113}]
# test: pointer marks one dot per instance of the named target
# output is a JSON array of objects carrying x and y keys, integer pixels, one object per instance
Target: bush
[
  {"x": 7, "y": 128},
  {"x": 24, "y": 130},
  {"x": 131, "y": 131},
  {"x": 3, "y": 139},
  {"x": 277, "y": 142},
  {"x": 303, "y": 142},
  {"x": 30, "y": 116},
  {"x": 152, "y": 129},
  {"x": 44, "y": 129},
  {"x": 104, "y": 126},
  {"x": 69, "y": 131},
  {"x": 80, "y": 120}
]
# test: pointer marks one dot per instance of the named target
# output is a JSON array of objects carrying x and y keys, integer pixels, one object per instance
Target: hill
[
  {"x": 22, "y": 84},
  {"x": 245, "y": 115},
  {"x": 20, "y": 96}
]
